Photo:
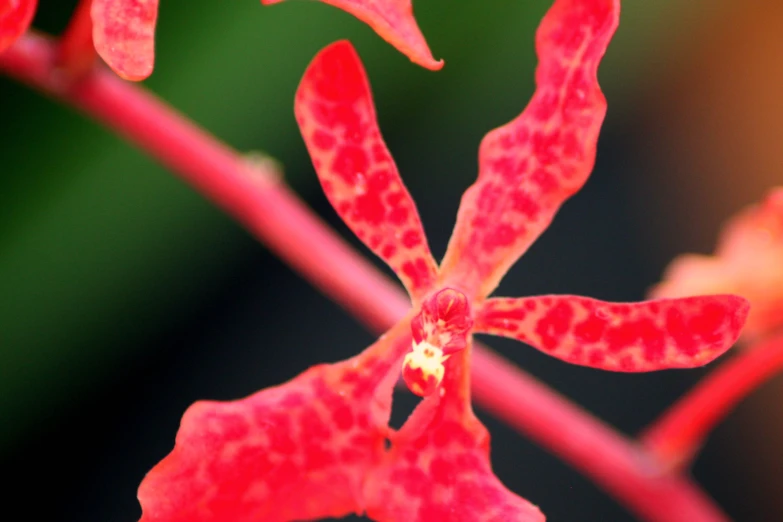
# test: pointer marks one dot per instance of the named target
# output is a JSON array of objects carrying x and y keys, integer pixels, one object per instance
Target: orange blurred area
[
  {"x": 714, "y": 118},
  {"x": 125, "y": 296}
]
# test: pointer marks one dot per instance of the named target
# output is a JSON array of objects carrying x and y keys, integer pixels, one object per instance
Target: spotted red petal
[
  {"x": 336, "y": 116},
  {"x": 748, "y": 261},
  {"x": 438, "y": 467},
  {"x": 15, "y": 18},
  {"x": 626, "y": 337},
  {"x": 297, "y": 451},
  {"x": 530, "y": 166},
  {"x": 124, "y": 35},
  {"x": 394, "y": 22}
]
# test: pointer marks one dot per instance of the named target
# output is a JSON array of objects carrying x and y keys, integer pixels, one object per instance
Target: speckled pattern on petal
[
  {"x": 336, "y": 116},
  {"x": 748, "y": 261},
  {"x": 301, "y": 450},
  {"x": 124, "y": 35},
  {"x": 530, "y": 166},
  {"x": 627, "y": 337}
]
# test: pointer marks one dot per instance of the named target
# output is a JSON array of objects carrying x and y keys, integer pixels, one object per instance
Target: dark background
[{"x": 125, "y": 297}]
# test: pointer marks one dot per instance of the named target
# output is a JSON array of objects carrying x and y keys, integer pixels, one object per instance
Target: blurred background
[{"x": 125, "y": 296}]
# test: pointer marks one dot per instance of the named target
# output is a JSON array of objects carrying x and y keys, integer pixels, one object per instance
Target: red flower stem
[
  {"x": 76, "y": 51},
  {"x": 280, "y": 220},
  {"x": 245, "y": 189},
  {"x": 679, "y": 433},
  {"x": 611, "y": 460}
]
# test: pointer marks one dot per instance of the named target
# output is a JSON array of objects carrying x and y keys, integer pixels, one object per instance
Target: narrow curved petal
[
  {"x": 530, "y": 166},
  {"x": 394, "y": 22},
  {"x": 748, "y": 261},
  {"x": 301, "y": 450},
  {"x": 438, "y": 466},
  {"x": 625, "y": 337},
  {"x": 124, "y": 35},
  {"x": 336, "y": 116},
  {"x": 15, "y": 19}
]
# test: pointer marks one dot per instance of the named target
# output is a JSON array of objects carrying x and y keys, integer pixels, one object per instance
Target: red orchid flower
[
  {"x": 748, "y": 260},
  {"x": 15, "y": 19},
  {"x": 316, "y": 446},
  {"x": 394, "y": 22}
]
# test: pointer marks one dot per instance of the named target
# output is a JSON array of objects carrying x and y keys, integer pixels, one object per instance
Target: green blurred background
[{"x": 125, "y": 296}]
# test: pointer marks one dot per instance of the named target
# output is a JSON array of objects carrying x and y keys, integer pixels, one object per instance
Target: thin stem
[
  {"x": 76, "y": 51},
  {"x": 610, "y": 459},
  {"x": 245, "y": 189},
  {"x": 679, "y": 433},
  {"x": 281, "y": 221}
]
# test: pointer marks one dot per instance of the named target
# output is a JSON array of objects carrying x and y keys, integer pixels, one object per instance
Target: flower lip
[
  {"x": 444, "y": 321},
  {"x": 439, "y": 329}
]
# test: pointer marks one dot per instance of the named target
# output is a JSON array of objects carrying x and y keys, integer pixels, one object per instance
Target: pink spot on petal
[
  {"x": 323, "y": 140},
  {"x": 411, "y": 238},
  {"x": 349, "y": 162},
  {"x": 591, "y": 330}
]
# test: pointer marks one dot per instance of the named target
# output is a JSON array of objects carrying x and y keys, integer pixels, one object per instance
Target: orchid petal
[
  {"x": 336, "y": 116},
  {"x": 530, "y": 166},
  {"x": 625, "y": 337},
  {"x": 15, "y": 19},
  {"x": 300, "y": 450},
  {"x": 394, "y": 22},
  {"x": 748, "y": 262},
  {"x": 124, "y": 35},
  {"x": 438, "y": 466}
]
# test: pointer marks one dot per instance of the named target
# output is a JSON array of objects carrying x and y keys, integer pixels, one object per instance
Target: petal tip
[
  {"x": 133, "y": 75},
  {"x": 392, "y": 21},
  {"x": 339, "y": 51},
  {"x": 741, "y": 308},
  {"x": 417, "y": 51},
  {"x": 430, "y": 63},
  {"x": 15, "y": 20},
  {"x": 124, "y": 36}
]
